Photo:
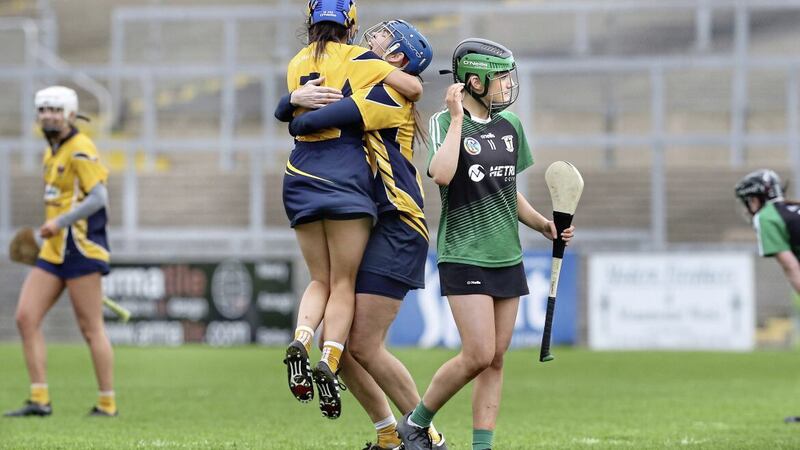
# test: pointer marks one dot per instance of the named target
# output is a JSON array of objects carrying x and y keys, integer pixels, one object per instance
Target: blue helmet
[
  {"x": 342, "y": 12},
  {"x": 406, "y": 39}
]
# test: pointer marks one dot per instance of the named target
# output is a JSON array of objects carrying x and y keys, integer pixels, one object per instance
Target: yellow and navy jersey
[
  {"x": 70, "y": 172},
  {"x": 345, "y": 67},
  {"x": 388, "y": 120}
]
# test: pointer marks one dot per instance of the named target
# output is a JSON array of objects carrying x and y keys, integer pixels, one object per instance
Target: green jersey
[
  {"x": 777, "y": 226},
  {"x": 479, "y": 222}
]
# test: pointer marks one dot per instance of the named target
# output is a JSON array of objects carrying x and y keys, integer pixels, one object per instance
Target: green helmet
[{"x": 485, "y": 59}]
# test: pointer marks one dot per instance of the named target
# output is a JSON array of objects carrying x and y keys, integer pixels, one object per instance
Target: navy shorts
[
  {"x": 328, "y": 180},
  {"x": 498, "y": 282},
  {"x": 75, "y": 264},
  {"x": 394, "y": 260}
]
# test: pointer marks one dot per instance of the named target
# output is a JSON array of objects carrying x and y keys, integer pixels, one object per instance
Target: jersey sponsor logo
[
  {"x": 502, "y": 171},
  {"x": 470, "y": 282},
  {"x": 509, "y": 140},
  {"x": 472, "y": 146},
  {"x": 476, "y": 172},
  {"x": 51, "y": 193}
]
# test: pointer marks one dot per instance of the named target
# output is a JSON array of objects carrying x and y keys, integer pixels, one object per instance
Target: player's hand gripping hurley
[{"x": 565, "y": 184}]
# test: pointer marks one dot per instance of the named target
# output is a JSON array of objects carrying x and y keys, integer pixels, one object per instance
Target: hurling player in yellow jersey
[
  {"x": 327, "y": 194},
  {"x": 394, "y": 261},
  {"x": 74, "y": 253}
]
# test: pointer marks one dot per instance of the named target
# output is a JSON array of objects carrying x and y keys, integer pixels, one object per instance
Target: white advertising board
[{"x": 671, "y": 301}]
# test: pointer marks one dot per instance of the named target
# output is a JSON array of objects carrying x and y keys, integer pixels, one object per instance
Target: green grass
[{"x": 199, "y": 397}]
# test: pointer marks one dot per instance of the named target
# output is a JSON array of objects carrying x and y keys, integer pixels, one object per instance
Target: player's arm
[
  {"x": 310, "y": 96},
  {"x": 444, "y": 162},
  {"x": 536, "y": 221},
  {"x": 791, "y": 267},
  {"x": 285, "y": 110},
  {"x": 96, "y": 200},
  {"x": 336, "y": 115},
  {"x": 533, "y": 219},
  {"x": 408, "y": 85}
]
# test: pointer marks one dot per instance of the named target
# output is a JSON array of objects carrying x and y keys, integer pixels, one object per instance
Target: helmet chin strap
[{"x": 480, "y": 97}]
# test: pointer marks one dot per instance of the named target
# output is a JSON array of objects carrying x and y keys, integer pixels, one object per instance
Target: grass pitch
[{"x": 200, "y": 397}]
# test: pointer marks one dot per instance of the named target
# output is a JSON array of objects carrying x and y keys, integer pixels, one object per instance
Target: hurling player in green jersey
[
  {"x": 477, "y": 148},
  {"x": 776, "y": 220},
  {"x": 777, "y": 224}
]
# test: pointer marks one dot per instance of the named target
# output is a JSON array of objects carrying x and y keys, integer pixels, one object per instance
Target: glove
[{"x": 23, "y": 248}]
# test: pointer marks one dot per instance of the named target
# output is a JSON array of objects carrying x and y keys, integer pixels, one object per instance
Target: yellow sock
[
  {"x": 435, "y": 437},
  {"x": 107, "y": 402},
  {"x": 305, "y": 335},
  {"x": 331, "y": 354},
  {"x": 40, "y": 394},
  {"x": 387, "y": 433}
]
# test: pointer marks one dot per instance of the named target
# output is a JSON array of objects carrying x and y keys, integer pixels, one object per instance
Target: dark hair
[
  {"x": 420, "y": 135},
  {"x": 323, "y": 32}
]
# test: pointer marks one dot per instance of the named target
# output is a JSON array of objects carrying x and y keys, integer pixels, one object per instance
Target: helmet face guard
[
  {"x": 395, "y": 36},
  {"x": 57, "y": 97},
  {"x": 502, "y": 90},
  {"x": 489, "y": 61}
]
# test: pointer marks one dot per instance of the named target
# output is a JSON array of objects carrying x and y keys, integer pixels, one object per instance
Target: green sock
[
  {"x": 482, "y": 439},
  {"x": 422, "y": 416}
]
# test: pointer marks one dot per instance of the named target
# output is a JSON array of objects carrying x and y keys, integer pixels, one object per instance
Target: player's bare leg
[
  {"x": 373, "y": 316},
  {"x": 86, "y": 294},
  {"x": 488, "y": 385},
  {"x": 473, "y": 315},
  {"x": 347, "y": 240},
  {"x": 370, "y": 396},
  {"x": 39, "y": 293},
  {"x": 314, "y": 247}
]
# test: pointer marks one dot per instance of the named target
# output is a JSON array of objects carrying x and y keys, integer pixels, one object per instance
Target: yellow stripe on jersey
[
  {"x": 383, "y": 108},
  {"x": 416, "y": 224},
  {"x": 305, "y": 174},
  {"x": 399, "y": 198}
]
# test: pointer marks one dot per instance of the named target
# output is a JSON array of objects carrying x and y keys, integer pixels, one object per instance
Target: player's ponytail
[
  {"x": 323, "y": 32},
  {"x": 420, "y": 134}
]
